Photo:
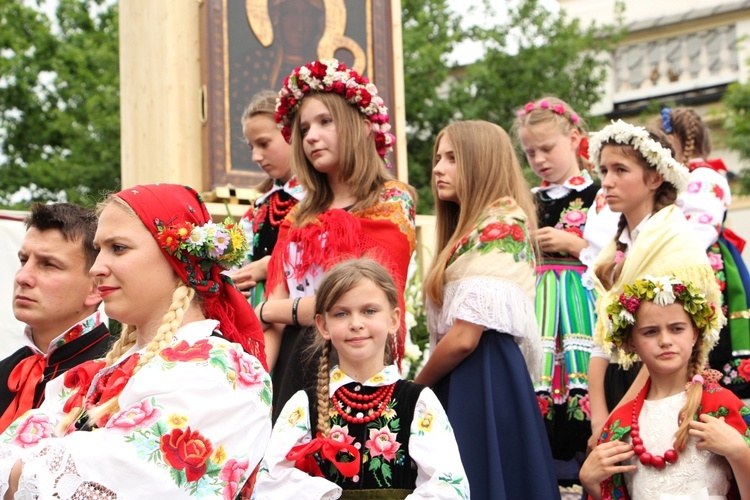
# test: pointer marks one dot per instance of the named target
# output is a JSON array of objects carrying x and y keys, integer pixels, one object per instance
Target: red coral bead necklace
[
  {"x": 368, "y": 407},
  {"x": 646, "y": 458},
  {"x": 278, "y": 209}
]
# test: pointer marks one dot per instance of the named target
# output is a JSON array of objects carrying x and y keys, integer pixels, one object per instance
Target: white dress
[{"x": 697, "y": 474}]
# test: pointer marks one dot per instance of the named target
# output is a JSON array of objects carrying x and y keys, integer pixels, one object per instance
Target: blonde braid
[
  {"x": 687, "y": 150},
  {"x": 694, "y": 395},
  {"x": 126, "y": 341},
  {"x": 324, "y": 401},
  {"x": 172, "y": 320}
]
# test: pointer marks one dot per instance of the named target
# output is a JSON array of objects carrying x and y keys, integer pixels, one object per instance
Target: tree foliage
[
  {"x": 736, "y": 103},
  {"x": 59, "y": 101},
  {"x": 535, "y": 52}
]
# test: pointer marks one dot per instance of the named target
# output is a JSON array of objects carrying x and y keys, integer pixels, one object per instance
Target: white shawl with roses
[{"x": 490, "y": 281}]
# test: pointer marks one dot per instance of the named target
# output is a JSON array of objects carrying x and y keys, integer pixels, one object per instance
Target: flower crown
[
  {"x": 223, "y": 244},
  {"x": 655, "y": 154},
  {"x": 557, "y": 109},
  {"x": 663, "y": 291},
  {"x": 332, "y": 76}
]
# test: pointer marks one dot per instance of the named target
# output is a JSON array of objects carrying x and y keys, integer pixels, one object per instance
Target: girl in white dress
[
  {"x": 673, "y": 441},
  {"x": 179, "y": 408}
]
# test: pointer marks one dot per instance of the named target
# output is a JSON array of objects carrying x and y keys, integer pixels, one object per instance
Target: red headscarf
[{"x": 160, "y": 206}]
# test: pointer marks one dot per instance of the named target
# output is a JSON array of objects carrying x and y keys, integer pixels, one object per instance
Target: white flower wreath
[{"x": 657, "y": 155}]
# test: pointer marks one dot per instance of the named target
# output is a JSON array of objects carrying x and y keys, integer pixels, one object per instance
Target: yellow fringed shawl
[{"x": 664, "y": 247}]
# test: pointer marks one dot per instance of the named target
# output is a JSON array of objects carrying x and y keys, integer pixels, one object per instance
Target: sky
[{"x": 472, "y": 13}]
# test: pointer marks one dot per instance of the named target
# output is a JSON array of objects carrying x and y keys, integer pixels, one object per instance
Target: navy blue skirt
[{"x": 493, "y": 409}]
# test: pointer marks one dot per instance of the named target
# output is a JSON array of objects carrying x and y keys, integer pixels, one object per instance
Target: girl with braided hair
[
  {"x": 181, "y": 404},
  {"x": 362, "y": 428},
  {"x": 641, "y": 180},
  {"x": 673, "y": 440},
  {"x": 705, "y": 203},
  {"x": 554, "y": 139}
]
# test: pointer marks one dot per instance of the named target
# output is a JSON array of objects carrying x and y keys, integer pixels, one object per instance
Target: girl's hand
[
  {"x": 716, "y": 436},
  {"x": 553, "y": 240},
  {"x": 602, "y": 463},
  {"x": 246, "y": 277}
]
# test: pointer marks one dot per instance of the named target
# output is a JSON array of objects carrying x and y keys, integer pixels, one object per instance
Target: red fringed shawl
[{"x": 383, "y": 232}]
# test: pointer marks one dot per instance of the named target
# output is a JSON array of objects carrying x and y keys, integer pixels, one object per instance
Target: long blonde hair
[
  {"x": 182, "y": 298},
  {"x": 340, "y": 279},
  {"x": 360, "y": 166},
  {"x": 486, "y": 169}
]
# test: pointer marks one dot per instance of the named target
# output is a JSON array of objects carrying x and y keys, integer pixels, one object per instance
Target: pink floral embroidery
[
  {"x": 585, "y": 406},
  {"x": 126, "y": 421},
  {"x": 382, "y": 442},
  {"x": 233, "y": 473},
  {"x": 717, "y": 263},
  {"x": 31, "y": 430},
  {"x": 575, "y": 218},
  {"x": 247, "y": 375},
  {"x": 693, "y": 187},
  {"x": 705, "y": 219},
  {"x": 341, "y": 434}
]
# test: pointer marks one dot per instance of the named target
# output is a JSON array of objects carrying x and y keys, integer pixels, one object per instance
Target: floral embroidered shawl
[{"x": 490, "y": 281}]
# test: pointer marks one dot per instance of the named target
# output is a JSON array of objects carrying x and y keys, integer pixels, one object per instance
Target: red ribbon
[
  {"x": 304, "y": 460},
  {"x": 80, "y": 377},
  {"x": 583, "y": 148},
  {"x": 734, "y": 238},
  {"x": 23, "y": 380}
]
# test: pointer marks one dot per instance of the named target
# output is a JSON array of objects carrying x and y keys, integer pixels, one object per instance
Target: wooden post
[{"x": 160, "y": 85}]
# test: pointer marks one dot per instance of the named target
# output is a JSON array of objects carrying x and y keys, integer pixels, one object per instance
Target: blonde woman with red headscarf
[{"x": 180, "y": 407}]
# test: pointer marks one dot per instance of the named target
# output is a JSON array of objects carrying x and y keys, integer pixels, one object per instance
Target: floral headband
[
  {"x": 222, "y": 244},
  {"x": 662, "y": 291},
  {"x": 332, "y": 76},
  {"x": 557, "y": 109},
  {"x": 655, "y": 154}
]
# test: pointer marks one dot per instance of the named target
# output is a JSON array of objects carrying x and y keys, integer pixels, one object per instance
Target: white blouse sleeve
[
  {"x": 432, "y": 446},
  {"x": 278, "y": 477},
  {"x": 704, "y": 204},
  {"x": 194, "y": 421},
  {"x": 600, "y": 229}
]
